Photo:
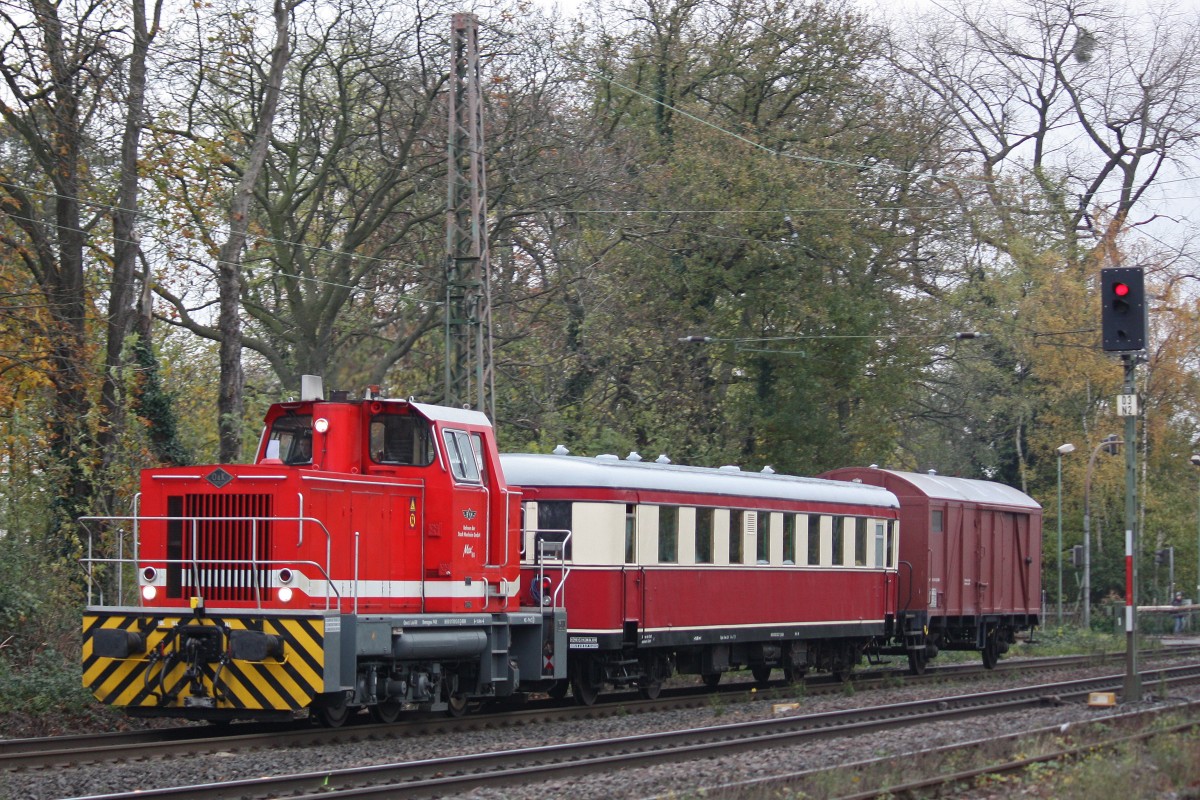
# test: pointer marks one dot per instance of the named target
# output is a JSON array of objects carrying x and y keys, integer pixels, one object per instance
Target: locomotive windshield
[
  {"x": 401, "y": 439},
  {"x": 291, "y": 439}
]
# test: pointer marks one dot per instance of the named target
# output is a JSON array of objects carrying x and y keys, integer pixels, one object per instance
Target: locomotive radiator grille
[
  {"x": 139, "y": 680},
  {"x": 219, "y": 546}
]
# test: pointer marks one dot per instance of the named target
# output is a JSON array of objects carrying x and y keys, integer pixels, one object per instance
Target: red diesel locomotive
[{"x": 381, "y": 554}]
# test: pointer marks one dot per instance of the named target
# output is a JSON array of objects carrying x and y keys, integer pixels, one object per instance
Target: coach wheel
[
  {"x": 333, "y": 710},
  {"x": 761, "y": 673},
  {"x": 793, "y": 674},
  {"x": 585, "y": 684},
  {"x": 657, "y": 669},
  {"x": 711, "y": 679},
  {"x": 386, "y": 712},
  {"x": 917, "y": 659}
]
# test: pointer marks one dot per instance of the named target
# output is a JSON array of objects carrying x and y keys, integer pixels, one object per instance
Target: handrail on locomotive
[{"x": 91, "y": 562}]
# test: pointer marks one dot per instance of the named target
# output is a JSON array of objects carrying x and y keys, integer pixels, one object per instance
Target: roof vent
[
  {"x": 730, "y": 468},
  {"x": 633, "y": 456},
  {"x": 607, "y": 457},
  {"x": 933, "y": 472},
  {"x": 561, "y": 450},
  {"x": 767, "y": 470},
  {"x": 874, "y": 466},
  {"x": 662, "y": 459}
]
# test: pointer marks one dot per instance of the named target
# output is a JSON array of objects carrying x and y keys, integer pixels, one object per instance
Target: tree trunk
[{"x": 229, "y": 270}]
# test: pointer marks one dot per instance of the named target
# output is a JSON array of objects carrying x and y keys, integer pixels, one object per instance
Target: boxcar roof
[
  {"x": 526, "y": 469},
  {"x": 941, "y": 487}
]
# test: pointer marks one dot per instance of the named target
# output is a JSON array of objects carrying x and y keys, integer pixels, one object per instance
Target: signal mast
[{"x": 468, "y": 300}]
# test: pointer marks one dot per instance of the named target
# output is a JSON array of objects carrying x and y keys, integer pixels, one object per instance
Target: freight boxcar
[{"x": 970, "y": 562}]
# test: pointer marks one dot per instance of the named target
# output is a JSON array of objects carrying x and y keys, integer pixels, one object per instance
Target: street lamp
[
  {"x": 1062, "y": 450},
  {"x": 1196, "y": 597},
  {"x": 1108, "y": 444}
]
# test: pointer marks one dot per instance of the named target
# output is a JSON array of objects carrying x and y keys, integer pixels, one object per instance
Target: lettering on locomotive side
[{"x": 585, "y": 643}]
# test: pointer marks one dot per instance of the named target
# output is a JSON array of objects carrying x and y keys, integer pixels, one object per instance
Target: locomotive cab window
[
  {"x": 460, "y": 453},
  {"x": 291, "y": 439},
  {"x": 401, "y": 439}
]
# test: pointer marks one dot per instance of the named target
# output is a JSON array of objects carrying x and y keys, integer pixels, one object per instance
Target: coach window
[
  {"x": 461, "y": 455},
  {"x": 814, "y": 540},
  {"x": 668, "y": 534},
  {"x": 555, "y": 519},
  {"x": 891, "y": 542},
  {"x": 789, "y": 538},
  {"x": 630, "y": 533},
  {"x": 762, "y": 549},
  {"x": 860, "y": 541},
  {"x": 839, "y": 542},
  {"x": 735, "y": 535},
  {"x": 880, "y": 541},
  {"x": 704, "y": 536},
  {"x": 397, "y": 439}
]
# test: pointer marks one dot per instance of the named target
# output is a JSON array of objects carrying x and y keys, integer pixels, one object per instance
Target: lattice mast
[{"x": 468, "y": 360}]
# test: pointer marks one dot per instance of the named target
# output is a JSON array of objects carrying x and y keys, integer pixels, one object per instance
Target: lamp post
[
  {"x": 1062, "y": 450},
  {"x": 1196, "y": 597},
  {"x": 1108, "y": 444}
]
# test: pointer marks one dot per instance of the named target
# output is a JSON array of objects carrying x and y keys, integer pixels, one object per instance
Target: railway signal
[{"x": 1123, "y": 309}]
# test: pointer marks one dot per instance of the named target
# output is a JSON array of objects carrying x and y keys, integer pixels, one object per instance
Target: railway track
[
  {"x": 442, "y": 776},
  {"x": 996, "y": 758},
  {"x": 47, "y": 752}
]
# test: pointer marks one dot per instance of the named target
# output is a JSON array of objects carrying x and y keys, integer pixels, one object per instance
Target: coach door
[{"x": 633, "y": 577}]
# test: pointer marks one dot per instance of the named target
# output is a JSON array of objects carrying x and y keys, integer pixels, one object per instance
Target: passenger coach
[{"x": 699, "y": 570}]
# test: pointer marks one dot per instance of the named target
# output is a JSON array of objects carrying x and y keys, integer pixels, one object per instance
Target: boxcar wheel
[
  {"x": 917, "y": 660},
  {"x": 991, "y": 654},
  {"x": 711, "y": 679}
]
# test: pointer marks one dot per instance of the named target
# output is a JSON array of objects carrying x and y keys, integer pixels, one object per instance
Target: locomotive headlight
[
  {"x": 149, "y": 574},
  {"x": 285, "y": 595},
  {"x": 149, "y": 593},
  {"x": 285, "y": 575},
  {"x": 320, "y": 425}
]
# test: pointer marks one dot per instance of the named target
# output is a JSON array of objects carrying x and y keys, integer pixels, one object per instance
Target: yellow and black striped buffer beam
[{"x": 177, "y": 661}]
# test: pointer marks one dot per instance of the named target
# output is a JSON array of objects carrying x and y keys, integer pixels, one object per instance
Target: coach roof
[{"x": 525, "y": 469}]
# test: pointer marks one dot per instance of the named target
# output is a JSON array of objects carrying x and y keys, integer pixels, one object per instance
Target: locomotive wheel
[
  {"x": 761, "y": 673},
  {"x": 456, "y": 704},
  {"x": 558, "y": 690},
  {"x": 386, "y": 712},
  {"x": 333, "y": 710}
]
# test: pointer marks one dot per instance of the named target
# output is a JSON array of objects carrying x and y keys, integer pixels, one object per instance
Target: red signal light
[{"x": 1120, "y": 289}]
